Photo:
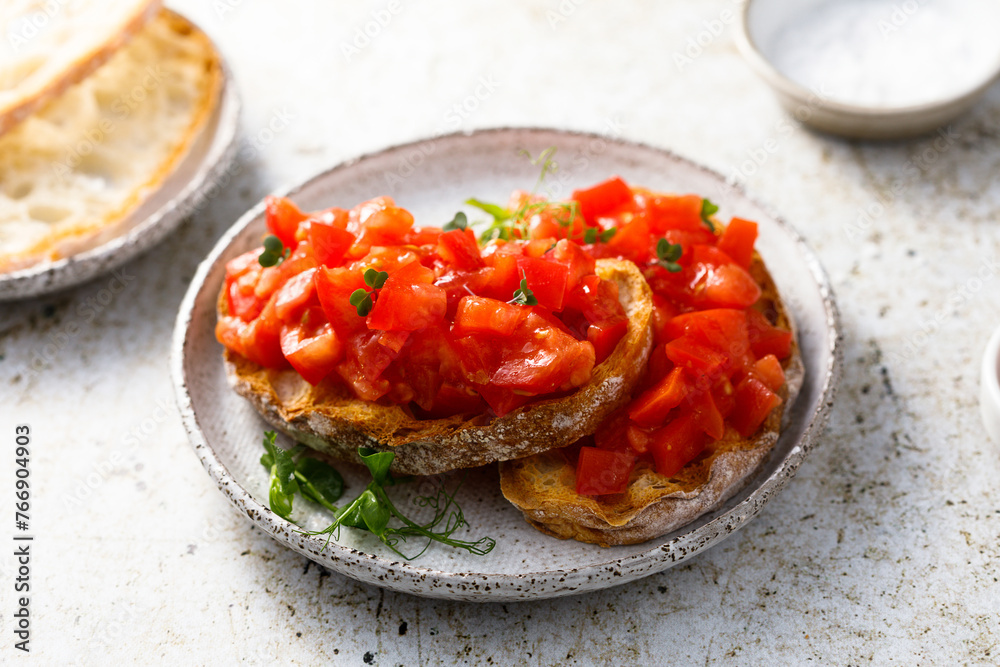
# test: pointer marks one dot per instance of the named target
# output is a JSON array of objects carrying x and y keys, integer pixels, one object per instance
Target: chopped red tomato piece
[
  {"x": 478, "y": 314},
  {"x": 313, "y": 352},
  {"x": 769, "y": 370},
  {"x": 283, "y": 218},
  {"x": 729, "y": 286},
  {"x": 669, "y": 212},
  {"x": 705, "y": 413},
  {"x": 754, "y": 402},
  {"x": 700, "y": 359},
  {"x": 459, "y": 249},
  {"x": 547, "y": 280},
  {"x": 677, "y": 444},
  {"x": 738, "y": 240},
  {"x": 260, "y": 340},
  {"x": 602, "y": 198},
  {"x": 329, "y": 243},
  {"x": 295, "y": 296},
  {"x": 652, "y": 406},
  {"x": 408, "y": 301},
  {"x": 600, "y": 471},
  {"x": 579, "y": 263},
  {"x": 766, "y": 338}
]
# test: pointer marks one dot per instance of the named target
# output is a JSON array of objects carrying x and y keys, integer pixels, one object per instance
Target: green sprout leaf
[
  {"x": 499, "y": 213},
  {"x": 375, "y": 512},
  {"x": 608, "y": 234},
  {"x": 274, "y": 252},
  {"x": 361, "y": 298},
  {"x": 668, "y": 253},
  {"x": 460, "y": 221},
  {"x": 375, "y": 279},
  {"x": 547, "y": 161},
  {"x": 590, "y": 235},
  {"x": 708, "y": 209},
  {"x": 524, "y": 296},
  {"x": 283, "y": 485},
  {"x": 319, "y": 482}
]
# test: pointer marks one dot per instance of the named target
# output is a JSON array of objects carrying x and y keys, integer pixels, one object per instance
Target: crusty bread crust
[
  {"x": 543, "y": 486},
  {"x": 64, "y": 70},
  {"x": 184, "y": 56},
  {"x": 329, "y": 419}
]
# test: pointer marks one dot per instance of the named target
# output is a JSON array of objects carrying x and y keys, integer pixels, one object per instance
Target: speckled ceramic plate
[
  {"x": 190, "y": 184},
  {"x": 431, "y": 178}
]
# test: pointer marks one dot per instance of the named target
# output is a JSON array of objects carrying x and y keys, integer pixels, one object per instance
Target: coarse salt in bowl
[{"x": 877, "y": 69}]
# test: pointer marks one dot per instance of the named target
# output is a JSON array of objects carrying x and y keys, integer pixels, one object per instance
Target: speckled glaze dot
[{"x": 225, "y": 431}]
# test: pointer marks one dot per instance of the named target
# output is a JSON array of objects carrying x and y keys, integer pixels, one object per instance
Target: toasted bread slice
[
  {"x": 70, "y": 173},
  {"x": 543, "y": 486},
  {"x": 329, "y": 419},
  {"x": 50, "y": 45}
]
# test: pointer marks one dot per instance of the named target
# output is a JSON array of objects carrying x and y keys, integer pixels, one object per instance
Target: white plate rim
[
  {"x": 51, "y": 276},
  {"x": 503, "y": 587}
]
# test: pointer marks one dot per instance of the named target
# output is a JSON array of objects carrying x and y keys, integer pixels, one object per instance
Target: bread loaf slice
[
  {"x": 49, "y": 45},
  {"x": 543, "y": 486},
  {"x": 328, "y": 418},
  {"x": 71, "y": 173}
]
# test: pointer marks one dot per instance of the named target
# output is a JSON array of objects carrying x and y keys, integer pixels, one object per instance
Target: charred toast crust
[
  {"x": 543, "y": 486},
  {"x": 329, "y": 419}
]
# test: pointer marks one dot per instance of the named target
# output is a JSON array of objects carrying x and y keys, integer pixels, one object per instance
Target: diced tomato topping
[
  {"x": 477, "y": 314},
  {"x": 441, "y": 337},
  {"x": 329, "y": 243},
  {"x": 602, "y": 198},
  {"x": 334, "y": 288},
  {"x": 754, "y": 402},
  {"x": 385, "y": 226},
  {"x": 283, "y": 218},
  {"x": 738, "y": 240},
  {"x": 668, "y": 212},
  {"x": 459, "y": 249},
  {"x": 769, "y": 370},
  {"x": 312, "y": 352},
  {"x": 547, "y": 280},
  {"x": 766, "y": 338},
  {"x": 677, "y": 444},
  {"x": 600, "y": 471},
  {"x": 295, "y": 296},
  {"x": 578, "y": 263},
  {"x": 705, "y": 413},
  {"x": 408, "y": 301},
  {"x": 544, "y": 359},
  {"x": 260, "y": 340},
  {"x": 698, "y": 358},
  {"x": 651, "y": 408},
  {"x": 729, "y": 286}
]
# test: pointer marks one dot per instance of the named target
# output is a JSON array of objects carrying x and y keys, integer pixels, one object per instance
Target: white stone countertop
[{"x": 885, "y": 548}]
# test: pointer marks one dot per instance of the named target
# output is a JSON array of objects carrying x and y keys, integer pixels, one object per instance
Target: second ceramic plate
[{"x": 431, "y": 179}]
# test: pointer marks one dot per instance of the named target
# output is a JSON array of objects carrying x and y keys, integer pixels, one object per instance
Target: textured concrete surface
[{"x": 885, "y": 547}]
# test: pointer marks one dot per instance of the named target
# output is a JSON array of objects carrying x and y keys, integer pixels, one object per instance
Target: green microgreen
[
  {"x": 361, "y": 298},
  {"x": 372, "y": 510},
  {"x": 460, "y": 221},
  {"x": 708, "y": 209},
  {"x": 293, "y": 473},
  {"x": 507, "y": 224},
  {"x": 668, "y": 254},
  {"x": 524, "y": 296},
  {"x": 591, "y": 235},
  {"x": 274, "y": 252},
  {"x": 547, "y": 162}
]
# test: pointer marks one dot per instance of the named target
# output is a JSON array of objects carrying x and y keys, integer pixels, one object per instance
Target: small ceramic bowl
[
  {"x": 762, "y": 20},
  {"x": 989, "y": 388}
]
